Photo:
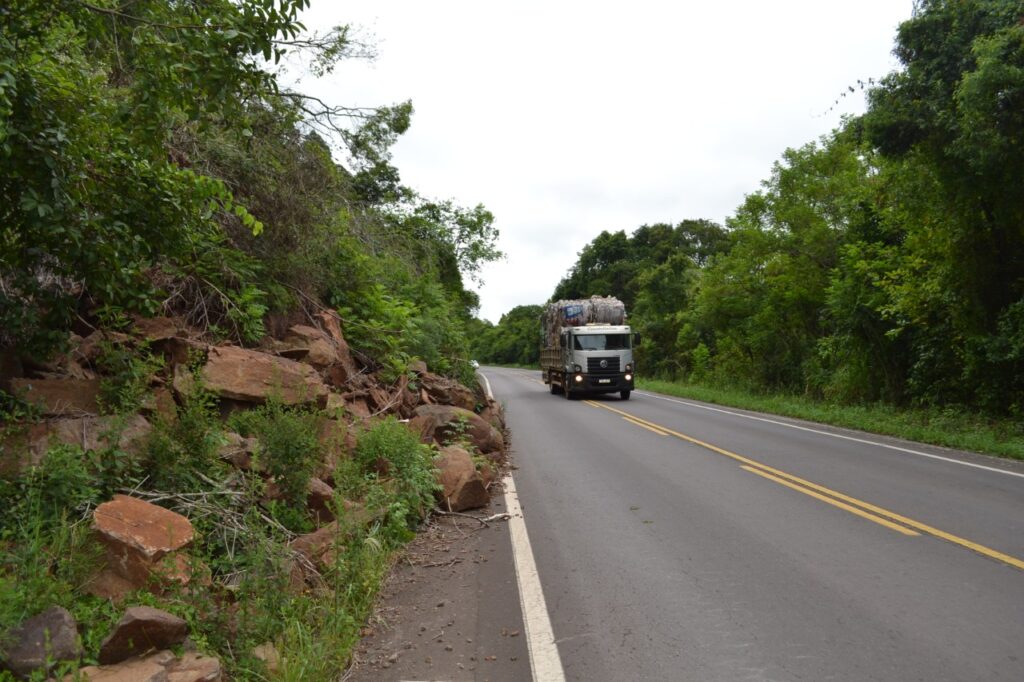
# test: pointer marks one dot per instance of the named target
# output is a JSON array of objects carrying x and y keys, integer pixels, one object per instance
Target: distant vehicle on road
[
  {"x": 474, "y": 364},
  {"x": 587, "y": 348}
]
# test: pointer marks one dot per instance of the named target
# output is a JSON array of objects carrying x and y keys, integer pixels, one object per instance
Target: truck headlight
[
  {"x": 577, "y": 368},
  {"x": 629, "y": 366},
  {"x": 579, "y": 378},
  {"x": 629, "y": 377}
]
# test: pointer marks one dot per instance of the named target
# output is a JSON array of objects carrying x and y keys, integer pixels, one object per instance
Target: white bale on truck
[{"x": 586, "y": 347}]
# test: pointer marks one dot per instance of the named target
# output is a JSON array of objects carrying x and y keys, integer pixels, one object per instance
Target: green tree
[
  {"x": 515, "y": 340},
  {"x": 951, "y": 120}
]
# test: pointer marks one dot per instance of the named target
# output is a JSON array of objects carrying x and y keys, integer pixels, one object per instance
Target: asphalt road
[{"x": 698, "y": 543}]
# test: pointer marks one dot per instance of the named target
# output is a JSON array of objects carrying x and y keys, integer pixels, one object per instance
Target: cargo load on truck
[
  {"x": 576, "y": 313},
  {"x": 586, "y": 347}
]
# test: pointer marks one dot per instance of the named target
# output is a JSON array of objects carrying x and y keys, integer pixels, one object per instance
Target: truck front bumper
[{"x": 589, "y": 383}]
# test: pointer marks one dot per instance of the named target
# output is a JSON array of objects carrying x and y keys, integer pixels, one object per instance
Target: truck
[{"x": 587, "y": 347}]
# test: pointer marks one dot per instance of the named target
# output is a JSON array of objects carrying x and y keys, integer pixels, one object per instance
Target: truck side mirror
[{"x": 636, "y": 339}]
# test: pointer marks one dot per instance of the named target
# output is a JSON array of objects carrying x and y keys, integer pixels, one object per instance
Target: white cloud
[{"x": 569, "y": 118}]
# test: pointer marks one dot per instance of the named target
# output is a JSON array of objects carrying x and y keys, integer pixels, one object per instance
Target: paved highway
[{"x": 678, "y": 541}]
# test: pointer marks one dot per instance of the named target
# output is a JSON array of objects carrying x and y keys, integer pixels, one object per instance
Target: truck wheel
[
  {"x": 555, "y": 388},
  {"x": 624, "y": 395},
  {"x": 569, "y": 394}
]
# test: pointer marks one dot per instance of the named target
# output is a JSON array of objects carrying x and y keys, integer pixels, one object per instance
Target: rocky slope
[{"x": 144, "y": 539}]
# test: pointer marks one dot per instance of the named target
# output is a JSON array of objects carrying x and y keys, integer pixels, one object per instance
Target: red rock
[
  {"x": 337, "y": 375},
  {"x": 26, "y": 446},
  {"x": 337, "y": 442},
  {"x": 319, "y": 547},
  {"x": 142, "y": 629},
  {"x": 434, "y": 423},
  {"x": 108, "y": 584},
  {"x": 193, "y": 667},
  {"x": 251, "y": 376},
  {"x": 89, "y": 349},
  {"x": 319, "y": 497},
  {"x": 319, "y": 350},
  {"x": 463, "y": 487},
  {"x": 493, "y": 415},
  {"x": 238, "y": 451},
  {"x": 149, "y": 669},
  {"x": 138, "y": 536},
  {"x": 382, "y": 402},
  {"x": 319, "y": 501},
  {"x": 358, "y": 408},
  {"x": 40, "y": 642},
  {"x": 60, "y": 397},
  {"x": 332, "y": 327},
  {"x": 160, "y": 404},
  {"x": 157, "y": 328},
  {"x": 159, "y": 667},
  {"x": 182, "y": 350},
  {"x": 448, "y": 391}
]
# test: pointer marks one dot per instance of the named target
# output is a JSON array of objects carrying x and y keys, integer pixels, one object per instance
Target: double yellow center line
[{"x": 879, "y": 515}]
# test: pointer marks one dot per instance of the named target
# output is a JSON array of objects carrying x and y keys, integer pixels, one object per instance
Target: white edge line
[
  {"x": 833, "y": 435},
  {"x": 540, "y": 638}
]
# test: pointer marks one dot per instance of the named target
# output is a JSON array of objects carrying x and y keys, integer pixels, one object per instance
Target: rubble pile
[{"x": 146, "y": 546}]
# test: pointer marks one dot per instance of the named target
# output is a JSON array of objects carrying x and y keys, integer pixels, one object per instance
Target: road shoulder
[{"x": 450, "y": 608}]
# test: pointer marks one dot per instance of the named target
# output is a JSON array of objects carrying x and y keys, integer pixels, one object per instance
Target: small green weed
[{"x": 127, "y": 372}]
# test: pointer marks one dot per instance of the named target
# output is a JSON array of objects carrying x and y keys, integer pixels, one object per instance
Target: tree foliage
[
  {"x": 515, "y": 340},
  {"x": 882, "y": 262},
  {"x": 149, "y": 159}
]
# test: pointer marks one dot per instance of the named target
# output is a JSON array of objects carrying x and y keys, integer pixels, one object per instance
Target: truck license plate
[{"x": 604, "y": 381}]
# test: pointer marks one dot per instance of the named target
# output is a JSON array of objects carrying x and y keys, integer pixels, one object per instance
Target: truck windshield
[{"x": 601, "y": 342}]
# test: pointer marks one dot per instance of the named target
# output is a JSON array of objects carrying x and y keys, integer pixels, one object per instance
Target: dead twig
[{"x": 442, "y": 512}]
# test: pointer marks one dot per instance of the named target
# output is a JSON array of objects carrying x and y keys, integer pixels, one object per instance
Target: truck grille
[{"x": 594, "y": 367}]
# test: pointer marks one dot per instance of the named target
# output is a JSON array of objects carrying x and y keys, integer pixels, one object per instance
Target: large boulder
[
  {"x": 310, "y": 345},
  {"x": 446, "y": 424},
  {"x": 447, "y": 391},
  {"x": 142, "y": 629},
  {"x": 60, "y": 397},
  {"x": 493, "y": 414},
  {"x": 41, "y": 641},
  {"x": 462, "y": 486},
  {"x": 254, "y": 377},
  {"x": 143, "y": 541}
]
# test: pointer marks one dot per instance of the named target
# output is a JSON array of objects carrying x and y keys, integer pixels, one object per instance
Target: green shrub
[
  {"x": 181, "y": 452},
  {"x": 393, "y": 455},
  {"x": 127, "y": 372},
  {"x": 62, "y": 486},
  {"x": 289, "y": 445}
]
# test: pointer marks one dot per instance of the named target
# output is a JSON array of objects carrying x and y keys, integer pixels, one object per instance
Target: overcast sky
[{"x": 569, "y": 118}]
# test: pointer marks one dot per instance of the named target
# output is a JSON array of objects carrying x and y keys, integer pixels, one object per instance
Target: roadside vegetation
[
  {"x": 152, "y": 163},
  {"x": 947, "y": 427},
  {"x": 878, "y": 269},
  {"x": 50, "y": 556}
]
